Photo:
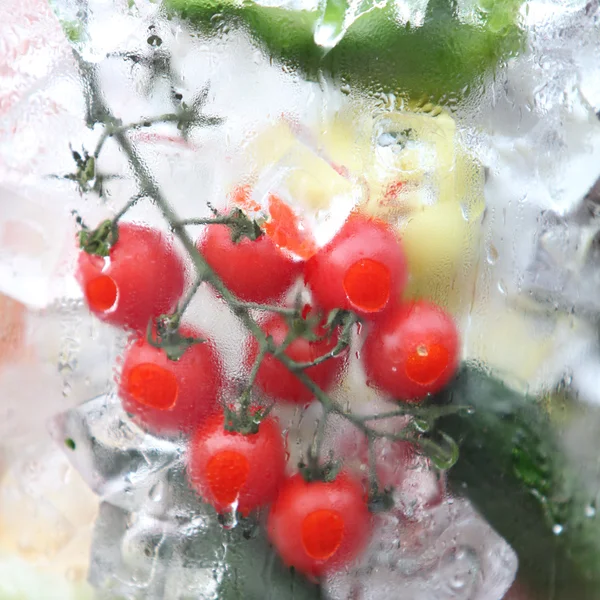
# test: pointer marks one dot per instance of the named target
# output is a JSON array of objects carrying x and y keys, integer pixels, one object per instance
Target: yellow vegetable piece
[
  {"x": 440, "y": 249},
  {"x": 430, "y": 162},
  {"x": 270, "y": 145},
  {"x": 311, "y": 181},
  {"x": 346, "y": 141}
]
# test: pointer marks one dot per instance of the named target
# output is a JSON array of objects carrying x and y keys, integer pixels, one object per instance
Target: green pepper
[
  {"x": 514, "y": 469},
  {"x": 440, "y": 60}
]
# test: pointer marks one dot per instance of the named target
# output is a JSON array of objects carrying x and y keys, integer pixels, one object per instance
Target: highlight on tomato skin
[
  {"x": 275, "y": 380},
  {"x": 363, "y": 269},
  {"x": 319, "y": 527},
  {"x": 143, "y": 277},
  {"x": 233, "y": 470},
  {"x": 412, "y": 352},
  {"x": 166, "y": 396},
  {"x": 254, "y": 270}
]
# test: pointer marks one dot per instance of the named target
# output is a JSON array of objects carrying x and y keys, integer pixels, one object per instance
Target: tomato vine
[{"x": 164, "y": 331}]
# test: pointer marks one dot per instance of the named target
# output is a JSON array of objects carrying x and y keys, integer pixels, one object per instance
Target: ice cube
[
  {"x": 455, "y": 555},
  {"x": 184, "y": 552},
  {"x": 120, "y": 462},
  {"x": 306, "y": 195},
  {"x": 564, "y": 270}
]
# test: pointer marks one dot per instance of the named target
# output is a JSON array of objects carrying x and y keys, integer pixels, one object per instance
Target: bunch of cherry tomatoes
[{"x": 410, "y": 350}]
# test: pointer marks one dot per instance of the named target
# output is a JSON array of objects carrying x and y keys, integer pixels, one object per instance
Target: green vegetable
[
  {"x": 253, "y": 570},
  {"x": 514, "y": 469},
  {"x": 442, "y": 59}
]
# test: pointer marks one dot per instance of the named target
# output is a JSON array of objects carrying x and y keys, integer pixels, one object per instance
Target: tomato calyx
[
  {"x": 313, "y": 326},
  {"x": 244, "y": 421},
  {"x": 164, "y": 333},
  {"x": 313, "y": 470},
  {"x": 241, "y": 226},
  {"x": 305, "y": 323},
  {"x": 99, "y": 241},
  {"x": 338, "y": 317}
]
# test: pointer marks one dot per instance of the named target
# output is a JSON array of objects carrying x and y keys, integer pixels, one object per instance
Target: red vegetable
[
  {"x": 142, "y": 277},
  {"x": 362, "y": 269},
  {"x": 168, "y": 396},
  {"x": 413, "y": 352},
  {"x": 255, "y": 271},
  {"x": 227, "y": 467},
  {"x": 319, "y": 527},
  {"x": 275, "y": 380}
]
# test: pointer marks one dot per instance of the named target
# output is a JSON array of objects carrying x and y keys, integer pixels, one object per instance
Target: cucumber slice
[{"x": 514, "y": 469}]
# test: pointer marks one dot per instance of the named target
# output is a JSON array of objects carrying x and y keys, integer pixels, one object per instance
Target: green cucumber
[
  {"x": 442, "y": 59},
  {"x": 514, "y": 469}
]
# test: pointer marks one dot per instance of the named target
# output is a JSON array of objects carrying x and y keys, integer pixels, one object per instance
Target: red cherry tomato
[
  {"x": 362, "y": 269},
  {"x": 413, "y": 352},
  {"x": 254, "y": 270},
  {"x": 319, "y": 527},
  {"x": 275, "y": 380},
  {"x": 227, "y": 467},
  {"x": 142, "y": 278},
  {"x": 167, "y": 396}
]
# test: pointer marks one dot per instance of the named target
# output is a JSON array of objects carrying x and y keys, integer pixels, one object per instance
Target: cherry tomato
[
  {"x": 362, "y": 269},
  {"x": 319, "y": 527},
  {"x": 255, "y": 271},
  {"x": 167, "y": 396},
  {"x": 413, "y": 352},
  {"x": 142, "y": 278},
  {"x": 275, "y": 380},
  {"x": 228, "y": 467},
  {"x": 285, "y": 228}
]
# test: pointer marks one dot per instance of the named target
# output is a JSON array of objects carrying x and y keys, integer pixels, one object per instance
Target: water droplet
[
  {"x": 422, "y": 425},
  {"x": 457, "y": 582},
  {"x": 502, "y": 287},
  {"x": 590, "y": 511},
  {"x": 557, "y": 529},
  {"x": 228, "y": 520},
  {"x": 492, "y": 254}
]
